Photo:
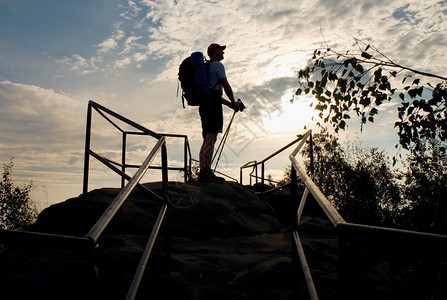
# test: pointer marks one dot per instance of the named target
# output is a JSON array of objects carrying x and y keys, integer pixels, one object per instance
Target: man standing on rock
[{"x": 211, "y": 114}]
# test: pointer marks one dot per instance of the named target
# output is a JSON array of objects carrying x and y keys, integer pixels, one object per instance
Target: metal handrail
[
  {"x": 342, "y": 227},
  {"x": 146, "y": 254},
  {"x": 187, "y": 156},
  {"x": 113, "y": 208},
  {"x": 96, "y": 231},
  {"x": 86, "y": 245},
  {"x": 254, "y": 165},
  {"x": 330, "y": 212},
  {"x": 101, "y": 110}
]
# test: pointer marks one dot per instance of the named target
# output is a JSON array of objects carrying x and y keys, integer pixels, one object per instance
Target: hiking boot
[
  {"x": 207, "y": 176},
  {"x": 216, "y": 178}
]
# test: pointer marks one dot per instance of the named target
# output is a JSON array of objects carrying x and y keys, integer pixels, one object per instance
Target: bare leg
[{"x": 207, "y": 149}]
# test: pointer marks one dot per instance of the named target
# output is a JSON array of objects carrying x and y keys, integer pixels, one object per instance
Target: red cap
[{"x": 213, "y": 47}]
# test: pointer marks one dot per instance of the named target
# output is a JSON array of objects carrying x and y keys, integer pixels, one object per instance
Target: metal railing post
[
  {"x": 185, "y": 155},
  {"x": 294, "y": 196},
  {"x": 256, "y": 174},
  {"x": 311, "y": 153},
  {"x": 123, "y": 158},
  {"x": 294, "y": 186},
  {"x": 88, "y": 129},
  {"x": 262, "y": 177},
  {"x": 164, "y": 164}
]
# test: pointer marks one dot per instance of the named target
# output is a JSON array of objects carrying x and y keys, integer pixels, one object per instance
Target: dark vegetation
[
  {"x": 361, "y": 183},
  {"x": 16, "y": 207},
  {"x": 365, "y": 188},
  {"x": 358, "y": 83}
]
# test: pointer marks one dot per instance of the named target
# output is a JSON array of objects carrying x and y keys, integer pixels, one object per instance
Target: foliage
[
  {"x": 195, "y": 170},
  {"x": 426, "y": 189},
  {"x": 16, "y": 207},
  {"x": 361, "y": 82},
  {"x": 360, "y": 184}
]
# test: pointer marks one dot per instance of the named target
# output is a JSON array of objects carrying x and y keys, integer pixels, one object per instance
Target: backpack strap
[
  {"x": 208, "y": 65},
  {"x": 183, "y": 96}
]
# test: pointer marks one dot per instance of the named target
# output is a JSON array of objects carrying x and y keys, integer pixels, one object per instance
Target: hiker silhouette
[{"x": 211, "y": 113}]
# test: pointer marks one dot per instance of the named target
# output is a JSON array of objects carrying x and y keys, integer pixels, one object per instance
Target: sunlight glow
[{"x": 292, "y": 116}]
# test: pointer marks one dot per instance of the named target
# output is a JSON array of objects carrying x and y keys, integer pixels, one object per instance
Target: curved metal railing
[
  {"x": 255, "y": 165},
  {"x": 346, "y": 232},
  {"x": 121, "y": 167},
  {"x": 343, "y": 228},
  {"x": 86, "y": 246},
  {"x": 96, "y": 231}
]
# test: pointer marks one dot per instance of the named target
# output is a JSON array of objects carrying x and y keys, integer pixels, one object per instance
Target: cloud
[
  {"x": 43, "y": 130},
  {"x": 107, "y": 45},
  {"x": 27, "y": 109},
  {"x": 268, "y": 40},
  {"x": 130, "y": 44},
  {"x": 40, "y": 128},
  {"x": 137, "y": 62}
]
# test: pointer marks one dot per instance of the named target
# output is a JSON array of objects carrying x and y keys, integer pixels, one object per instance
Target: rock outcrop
[{"x": 226, "y": 244}]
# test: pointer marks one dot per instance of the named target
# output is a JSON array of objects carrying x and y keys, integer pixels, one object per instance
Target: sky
[{"x": 55, "y": 56}]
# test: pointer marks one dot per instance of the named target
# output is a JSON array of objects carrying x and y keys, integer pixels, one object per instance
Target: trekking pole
[
  {"x": 222, "y": 143},
  {"x": 225, "y": 136}
]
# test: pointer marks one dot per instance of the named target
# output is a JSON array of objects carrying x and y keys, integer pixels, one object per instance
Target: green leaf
[
  {"x": 333, "y": 76},
  {"x": 352, "y": 61},
  {"x": 366, "y": 55},
  {"x": 378, "y": 75},
  {"x": 320, "y": 107},
  {"x": 373, "y": 112},
  {"x": 419, "y": 91},
  {"x": 359, "y": 68}
]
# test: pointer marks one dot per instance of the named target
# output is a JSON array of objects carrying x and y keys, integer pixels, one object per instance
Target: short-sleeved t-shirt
[{"x": 216, "y": 73}]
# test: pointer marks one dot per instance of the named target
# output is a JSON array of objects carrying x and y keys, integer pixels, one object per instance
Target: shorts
[{"x": 211, "y": 114}]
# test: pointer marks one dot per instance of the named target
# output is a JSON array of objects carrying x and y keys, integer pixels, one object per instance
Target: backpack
[{"x": 193, "y": 78}]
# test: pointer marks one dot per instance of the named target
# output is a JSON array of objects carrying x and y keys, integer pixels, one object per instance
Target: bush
[
  {"x": 364, "y": 188},
  {"x": 359, "y": 183},
  {"x": 16, "y": 207},
  {"x": 426, "y": 189}
]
